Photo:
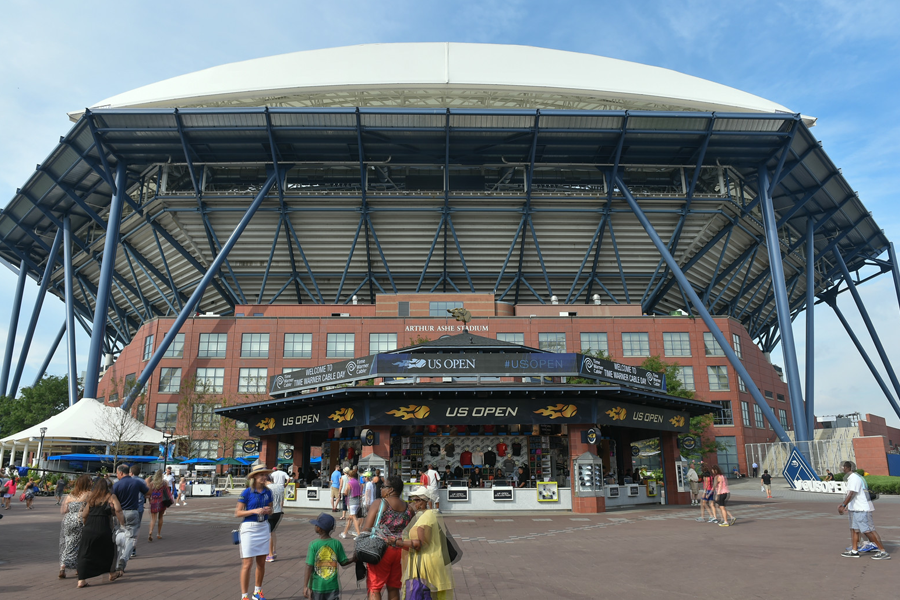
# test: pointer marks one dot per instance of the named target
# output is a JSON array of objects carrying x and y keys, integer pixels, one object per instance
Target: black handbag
[{"x": 369, "y": 546}]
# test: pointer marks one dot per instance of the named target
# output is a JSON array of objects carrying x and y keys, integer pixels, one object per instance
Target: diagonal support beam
[
  {"x": 71, "y": 356},
  {"x": 192, "y": 302},
  {"x": 704, "y": 314},
  {"x": 13, "y": 325}
]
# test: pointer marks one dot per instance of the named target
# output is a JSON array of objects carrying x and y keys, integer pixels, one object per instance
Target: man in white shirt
[
  {"x": 433, "y": 483},
  {"x": 169, "y": 478},
  {"x": 860, "y": 509},
  {"x": 277, "y": 490},
  {"x": 278, "y": 476},
  {"x": 694, "y": 481}
]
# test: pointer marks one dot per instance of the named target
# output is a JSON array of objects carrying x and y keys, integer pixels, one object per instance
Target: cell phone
[{"x": 235, "y": 537}]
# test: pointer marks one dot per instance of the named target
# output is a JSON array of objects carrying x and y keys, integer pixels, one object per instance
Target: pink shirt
[{"x": 721, "y": 485}]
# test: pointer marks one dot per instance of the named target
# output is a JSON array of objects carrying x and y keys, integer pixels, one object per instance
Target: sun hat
[
  {"x": 324, "y": 521},
  {"x": 258, "y": 469},
  {"x": 346, "y": 469},
  {"x": 420, "y": 491}
]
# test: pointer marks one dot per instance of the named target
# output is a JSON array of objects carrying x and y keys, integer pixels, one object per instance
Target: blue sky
[{"x": 837, "y": 61}]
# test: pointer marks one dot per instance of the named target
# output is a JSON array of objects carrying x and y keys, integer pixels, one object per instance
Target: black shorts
[
  {"x": 721, "y": 499},
  {"x": 274, "y": 519}
]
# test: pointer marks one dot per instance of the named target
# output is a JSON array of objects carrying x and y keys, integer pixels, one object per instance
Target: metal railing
[{"x": 822, "y": 454}]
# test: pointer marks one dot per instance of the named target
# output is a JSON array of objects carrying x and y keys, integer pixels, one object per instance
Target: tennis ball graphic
[
  {"x": 349, "y": 414},
  {"x": 569, "y": 410},
  {"x": 421, "y": 412}
]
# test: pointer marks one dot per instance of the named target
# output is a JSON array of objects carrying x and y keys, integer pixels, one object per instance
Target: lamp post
[
  {"x": 41, "y": 446},
  {"x": 167, "y": 435}
]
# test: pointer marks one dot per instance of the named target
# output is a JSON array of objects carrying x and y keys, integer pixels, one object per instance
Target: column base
[{"x": 588, "y": 505}]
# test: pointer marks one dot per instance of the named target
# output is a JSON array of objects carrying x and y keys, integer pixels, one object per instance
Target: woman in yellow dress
[{"x": 427, "y": 572}]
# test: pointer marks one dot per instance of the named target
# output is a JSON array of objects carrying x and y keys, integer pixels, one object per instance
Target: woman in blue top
[{"x": 254, "y": 507}]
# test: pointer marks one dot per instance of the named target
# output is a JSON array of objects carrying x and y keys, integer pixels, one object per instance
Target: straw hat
[
  {"x": 420, "y": 491},
  {"x": 258, "y": 469}
]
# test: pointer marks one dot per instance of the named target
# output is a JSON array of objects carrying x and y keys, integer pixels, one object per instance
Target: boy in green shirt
[{"x": 322, "y": 559}]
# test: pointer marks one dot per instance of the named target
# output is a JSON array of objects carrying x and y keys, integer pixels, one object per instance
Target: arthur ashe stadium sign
[{"x": 532, "y": 364}]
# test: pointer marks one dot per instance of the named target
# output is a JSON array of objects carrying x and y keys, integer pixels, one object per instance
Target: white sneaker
[{"x": 343, "y": 536}]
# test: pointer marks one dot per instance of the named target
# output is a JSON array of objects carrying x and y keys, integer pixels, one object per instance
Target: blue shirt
[
  {"x": 253, "y": 499},
  {"x": 128, "y": 490},
  {"x": 336, "y": 479}
]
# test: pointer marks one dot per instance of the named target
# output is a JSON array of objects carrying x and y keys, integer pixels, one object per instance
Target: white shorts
[{"x": 861, "y": 521}]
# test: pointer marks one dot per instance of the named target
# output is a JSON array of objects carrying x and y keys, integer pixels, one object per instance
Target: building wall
[{"x": 489, "y": 319}]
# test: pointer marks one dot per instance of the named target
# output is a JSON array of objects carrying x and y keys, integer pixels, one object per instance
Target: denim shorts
[{"x": 861, "y": 520}]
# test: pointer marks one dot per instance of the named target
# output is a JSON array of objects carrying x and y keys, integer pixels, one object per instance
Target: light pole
[
  {"x": 167, "y": 435},
  {"x": 41, "y": 446}
]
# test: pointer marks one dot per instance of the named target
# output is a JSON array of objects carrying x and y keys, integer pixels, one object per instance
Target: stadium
[{"x": 362, "y": 191}]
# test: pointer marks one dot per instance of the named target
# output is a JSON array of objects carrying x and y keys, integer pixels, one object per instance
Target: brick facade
[{"x": 489, "y": 319}]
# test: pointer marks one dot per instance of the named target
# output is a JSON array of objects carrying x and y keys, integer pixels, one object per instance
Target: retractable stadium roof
[{"x": 518, "y": 202}]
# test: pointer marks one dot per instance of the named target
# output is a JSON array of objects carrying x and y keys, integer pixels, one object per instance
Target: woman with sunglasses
[
  {"x": 426, "y": 557},
  {"x": 394, "y": 518}
]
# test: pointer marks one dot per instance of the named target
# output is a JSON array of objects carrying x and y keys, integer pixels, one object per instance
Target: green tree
[
  {"x": 48, "y": 397},
  {"x": 674, "y": 386},
  {"x": 706, "y": 445}
]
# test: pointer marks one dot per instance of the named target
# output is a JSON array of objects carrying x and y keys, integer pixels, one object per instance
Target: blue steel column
[
  {"x": 71, "y": 358},
  {"x": 111, "y": 244},
  {"x": 704, "y": 314},
  {"x": 810, "y": 326},
  {"x": 867, "y": 320},
  {"x": 192, "y": 302},
  {"x": 831, "y": 300},
  {"x": 895, "y": 269},
  {"x": 38, "y": 304},
  {"x": 13, "y": 325},
  {"x": 50, "y": 353},
  {"x": 782, "y": 307}
]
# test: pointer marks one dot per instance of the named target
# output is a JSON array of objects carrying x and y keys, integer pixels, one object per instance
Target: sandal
[
  {"x": 85, "y": 584},
  {"x": 116, "y": 575},
  {"x": 159, "y": 537},
  {"x": 62, "y": 573}
]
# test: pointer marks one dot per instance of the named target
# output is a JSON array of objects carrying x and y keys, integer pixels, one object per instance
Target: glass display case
[{"x": 588, "y": 475}]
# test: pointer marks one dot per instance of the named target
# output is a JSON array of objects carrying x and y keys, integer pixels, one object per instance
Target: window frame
[
  {"x": 169, "y": 388},
  {"x": 710, "y": 344},
  {"x": 727, "y": 414},
  {"x": 745, "y": 413},
  {"x": 710, "y": 370},
  {"x": 668, "y": 343},
  {"x": 331, "y": 345},
  {"x": 736, "y": 345},
  {"x": 176, "y": 348},
  {"x": 628, "y": 348},
  {"x": 758, "y": 417},
  {"x": 305, "y": 344},
  {"x": 204, "y": 418},
  {"x": 244, "y": 378},
  {"x": 382, "y": 345},
  {"x": 682, "y": 370},
  {"x": 205, "y": 389},
  {"x": 552, "y": 344},
  {"x": 170, "y": 413},
  {"x": 603, "y": 342},
  {"x": 253, "y": 348},
  {"x": 439, "y": 308},
  {"x": 148, "y": 347},
  {"x": 204, "y": 345}
]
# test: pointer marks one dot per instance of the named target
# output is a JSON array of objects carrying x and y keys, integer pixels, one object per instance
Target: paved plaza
[{"x": 787, "y": 546}]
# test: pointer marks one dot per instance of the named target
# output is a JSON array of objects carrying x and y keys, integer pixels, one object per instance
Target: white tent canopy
[{"x": 87, "y": 420}]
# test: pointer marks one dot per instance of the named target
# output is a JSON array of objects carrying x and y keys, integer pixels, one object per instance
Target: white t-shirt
[
  {"x": 692, "y": 475},
  {"x": 433, "y": 479},
  {"x": 170, "y": 480},
  {"x": 277, "y": 497},
  {"x": 279, "y": 477},
  {"x": 369, "y": 496},
  {"x": 860, "y": 502}
]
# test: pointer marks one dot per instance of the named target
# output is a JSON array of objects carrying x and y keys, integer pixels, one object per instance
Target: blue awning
[{"x": 105, "y": 458}]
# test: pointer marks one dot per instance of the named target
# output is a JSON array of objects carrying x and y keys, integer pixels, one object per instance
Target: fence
[{"x": 822, "y": 455}]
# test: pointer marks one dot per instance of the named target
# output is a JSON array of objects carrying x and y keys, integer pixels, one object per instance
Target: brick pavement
[{"x": 779, "y": 547}]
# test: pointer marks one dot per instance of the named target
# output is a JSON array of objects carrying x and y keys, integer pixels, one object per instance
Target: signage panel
[
  {"x": 323, "y": 375},
  {"x": 613, "y": 372},
  {"x": 502, "y": 494},
  {"x": 797, "y": 470},
  {"x": 505, "y": 410},
  {"x": 458, "y": 494},
  {"x": 645, "y": 417},
  {"x": 473, "y": 364},
  {"x": 308, "y": 418},
  {"x": 312, "y": 493}
]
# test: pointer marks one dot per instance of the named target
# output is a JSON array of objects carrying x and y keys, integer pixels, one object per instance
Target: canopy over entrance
[{"x": 87, "y": 421}]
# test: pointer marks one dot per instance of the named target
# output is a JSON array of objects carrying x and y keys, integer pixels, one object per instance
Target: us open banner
[
  {"x": 533, "y": 364},
  {"x": 501, "y": 411},
  {"x": 644, "y": 417},
  {"x": 308, "y": 418}
]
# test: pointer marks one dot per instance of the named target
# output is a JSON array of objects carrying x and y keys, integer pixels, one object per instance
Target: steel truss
[{"x": 418, "y": 187}]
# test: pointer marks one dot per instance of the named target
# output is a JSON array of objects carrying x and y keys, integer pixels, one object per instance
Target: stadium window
[
  {"x": 769, "y": 395},
  {"x": 403, "y": 309},
  {"x": 340, "y": 345},
  {"x": 169, "y": 380},
  {"x": 758, "y": 417},
  {"x": 635, "y": 344},
  {"x": 176, "y": 348},
  {"x": 148, "y": 347},
  {"x": 213, "y": 345},
  {"x": 130, "y": 381},
  {"x": 382, "y": 342},
  {"x": 210, "y": 380},
  {"x": 782, "y": 418},
  {"x": 255, "y": 345},
  {"x": 203, "y": 417},
  {"x": 718, "y": 378},
  {"x": 298, "y": 345},
  {"x": 141, "y": 413},
  {"x": 113, "y": 398},
  {"x": 552, "y": 342},
  {"x": 677, "y": 344},
  {"x": 252, "y": 380},
  {"x": 204, "y": 448},
  {"x": 736, "y": 342},
  {"x": 711, "y": 345},
  {"x": 741, "y": 385},
  {"x": 723, "y": 416},
  {"x": 166, "y": 416},
  {"x": 594, "y": 342},
  {"x": 780, "y": 397},
  {"x": 439, "y": 309},
  {"x": 686, "y": 377},
  {"x": 512, "y": 338},
  {"x": 745, "y": 413}
]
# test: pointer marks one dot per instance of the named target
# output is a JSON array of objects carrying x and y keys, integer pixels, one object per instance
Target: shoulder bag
[
  {"x": 167, "y": 498},
  {"x": 369, "y": 546}
]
